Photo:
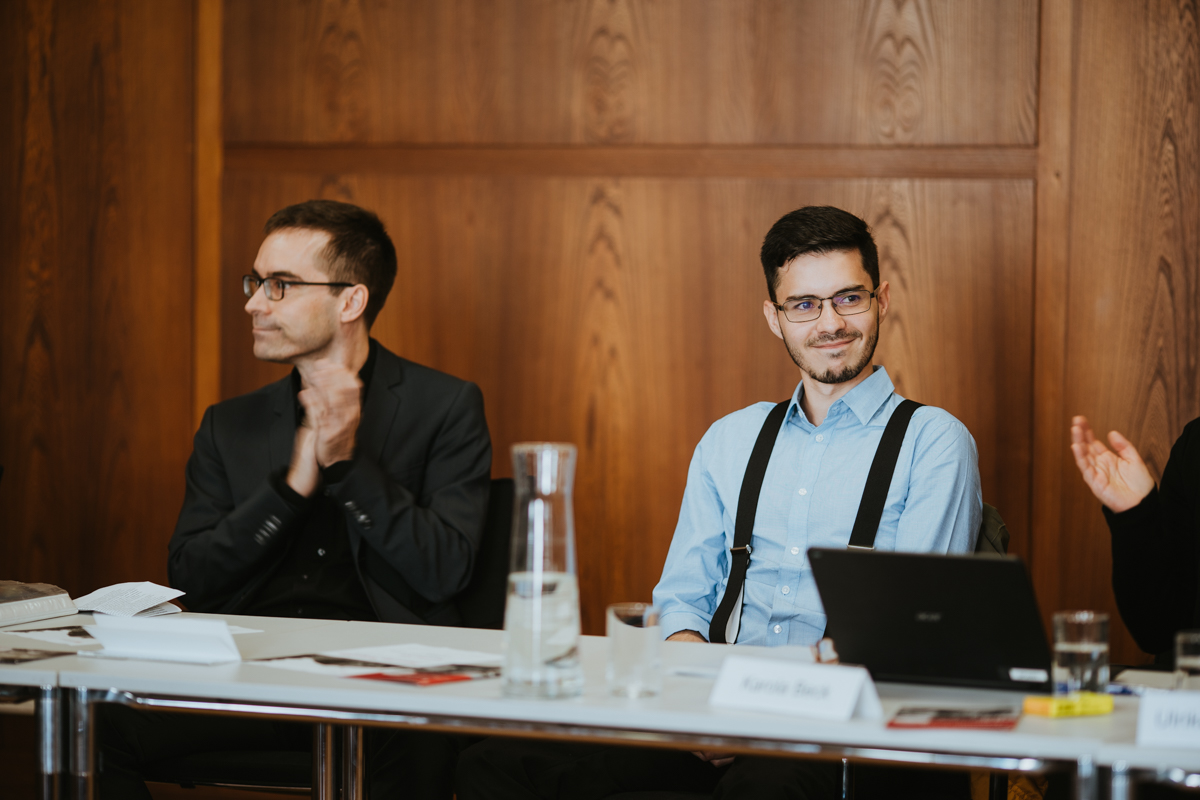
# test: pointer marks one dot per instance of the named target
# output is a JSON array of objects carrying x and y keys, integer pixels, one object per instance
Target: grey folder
[{"x": 918, "y": 618}]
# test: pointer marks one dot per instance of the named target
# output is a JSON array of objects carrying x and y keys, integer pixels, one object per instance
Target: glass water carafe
[{"x": 541, "y": 614}]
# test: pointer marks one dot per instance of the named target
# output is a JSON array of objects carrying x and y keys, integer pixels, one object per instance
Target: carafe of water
[{"x": 541, "y": 614}]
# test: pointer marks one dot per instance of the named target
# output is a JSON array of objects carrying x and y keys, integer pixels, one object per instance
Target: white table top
[{"x": 682, "y": 711}]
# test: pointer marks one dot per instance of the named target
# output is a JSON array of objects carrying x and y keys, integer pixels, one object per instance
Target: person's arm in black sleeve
[
  {"x": 218, "y": 549},
  {"x": 1154, "y": 551},
  {"x": 431, "y": 540}
]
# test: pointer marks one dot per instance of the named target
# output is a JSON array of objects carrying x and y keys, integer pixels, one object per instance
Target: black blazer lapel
[{"x": 381, "y": 405}]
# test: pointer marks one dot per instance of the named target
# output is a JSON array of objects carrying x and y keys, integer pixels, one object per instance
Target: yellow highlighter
[{"x": 1082, "y": 704}]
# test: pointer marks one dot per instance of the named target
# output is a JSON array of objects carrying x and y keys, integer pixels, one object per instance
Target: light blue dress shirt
[{"x": 809, "y": 498}]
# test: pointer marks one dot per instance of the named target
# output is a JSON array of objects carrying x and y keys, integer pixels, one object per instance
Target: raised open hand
[{"x": 1119, "y": 479}]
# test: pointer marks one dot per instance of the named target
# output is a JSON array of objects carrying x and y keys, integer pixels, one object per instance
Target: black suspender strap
[
  {"x": 866, "y": 524},
  {"x": 879, "y": 479},
  {"x": 743, "y": 527}
]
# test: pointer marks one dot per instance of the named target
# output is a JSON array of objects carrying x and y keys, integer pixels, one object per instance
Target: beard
[{"x": 848, "y": 371}]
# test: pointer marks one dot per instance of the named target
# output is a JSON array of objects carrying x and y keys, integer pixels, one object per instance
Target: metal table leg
[
  {"x": 83, "y": 758},
  {"x": 50, "y": 741},
  {"x": 323, "y": 787},
  {"x": 1121, "y": 787},
  {"x": 1086, "y": 782},
  {"x": 353, "y": 765}
]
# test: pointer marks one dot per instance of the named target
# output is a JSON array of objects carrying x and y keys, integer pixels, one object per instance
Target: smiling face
[
  {"x": 305, "y": 322},
  {"x": 830, "y": 349}
]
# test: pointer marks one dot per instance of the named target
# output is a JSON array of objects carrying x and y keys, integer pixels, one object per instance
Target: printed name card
[
  {"x": 1169, "y": 719},
  {"x": 193, "y": 641},
  {"x": 821, "y": 691}
]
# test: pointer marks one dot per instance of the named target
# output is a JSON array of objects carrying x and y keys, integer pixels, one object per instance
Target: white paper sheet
[
  {"x": 78, "y": 635},
  {"x": 193, "y": 641},
  {"x": 72, "y": 635},
  {"x": 418, "y": 656},
  {"x": 128, "y": 599}
]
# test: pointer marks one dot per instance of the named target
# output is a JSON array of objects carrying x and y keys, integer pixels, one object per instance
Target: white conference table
[{"x": 680, "y": 717}]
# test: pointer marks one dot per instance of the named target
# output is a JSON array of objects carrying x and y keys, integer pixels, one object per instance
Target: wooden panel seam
[
  {"x": 1051, "y": 306},
  {"x": 206, "y": 310},
  {"x": 664, "y": 162}
]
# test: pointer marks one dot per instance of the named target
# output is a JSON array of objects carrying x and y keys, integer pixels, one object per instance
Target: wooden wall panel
[
  {"x": 624, "y": 316},
  {"x": 1133, "y": 326},
  {"x": 95, "y": 288},
  {"x": 897, "y": 72}
]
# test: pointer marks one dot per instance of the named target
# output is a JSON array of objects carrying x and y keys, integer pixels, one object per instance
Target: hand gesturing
[
  {"x": 1120, "y": 480},
  {"x": 332, "y": 406}
]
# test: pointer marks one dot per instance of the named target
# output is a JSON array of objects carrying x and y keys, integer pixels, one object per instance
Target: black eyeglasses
[
  {"x": 274, "y": 287},
  {"x": 846, "y": 304}
]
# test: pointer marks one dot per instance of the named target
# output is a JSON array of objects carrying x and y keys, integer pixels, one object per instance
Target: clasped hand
[{"x": 331, "y": 399}]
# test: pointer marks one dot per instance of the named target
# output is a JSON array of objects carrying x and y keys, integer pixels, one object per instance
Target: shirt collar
[{"x": 863, "y": 400}]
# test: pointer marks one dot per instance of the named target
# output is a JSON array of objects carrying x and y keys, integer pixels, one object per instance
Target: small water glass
[
  {"x": 1080, "y": 652},
  {"x": 634, "y": 663},
  {"x": 1187, "y": 660}
]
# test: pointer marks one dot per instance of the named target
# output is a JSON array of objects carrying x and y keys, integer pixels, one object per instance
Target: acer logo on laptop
[{"x": 929, "y": 616}]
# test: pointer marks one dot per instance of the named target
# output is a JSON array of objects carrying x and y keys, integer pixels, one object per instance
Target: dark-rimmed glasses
[
  {"x": 274, "y": 287},
  {"x": 846, "y": 304}
]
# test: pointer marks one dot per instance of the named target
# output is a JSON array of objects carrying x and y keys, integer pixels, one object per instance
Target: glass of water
[
  {"x": 1187, "y": 660},
  {"x": 1080, "y": 652},
  {"x": 634, "y": 664}
]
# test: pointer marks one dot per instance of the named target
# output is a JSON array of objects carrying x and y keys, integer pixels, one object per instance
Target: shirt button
[
  {"x": 803, "y": 492},
  {"x": 321, "y": 551},
  {"x": 820, "y": 437},
  {"x": 795, "y": 551},
  {"x": 785, "y": 590},
  {"x": 305, "y": 577},
  {"x": 779, "y": 629}
]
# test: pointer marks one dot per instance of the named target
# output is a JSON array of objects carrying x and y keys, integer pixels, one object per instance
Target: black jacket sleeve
[
  {"x": 222, "y": 548},
  {"x": 427, "y": 530},
  {"x": 1154, "y": 551}
]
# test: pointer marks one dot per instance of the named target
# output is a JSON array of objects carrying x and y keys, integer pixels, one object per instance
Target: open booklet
[
  {"x": 414, "y": 664},
  {"x": 138, "y": 598}
]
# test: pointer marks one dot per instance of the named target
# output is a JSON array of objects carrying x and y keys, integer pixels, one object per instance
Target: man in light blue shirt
[{"x": 827, "y": 304}]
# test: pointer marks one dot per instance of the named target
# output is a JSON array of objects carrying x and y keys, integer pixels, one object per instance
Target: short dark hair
[
  {"x": 816, "y": 230},
  {"x": 359, "y": 249}
]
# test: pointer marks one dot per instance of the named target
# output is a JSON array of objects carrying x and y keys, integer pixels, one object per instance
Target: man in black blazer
[{"x": 354, "y": 488}]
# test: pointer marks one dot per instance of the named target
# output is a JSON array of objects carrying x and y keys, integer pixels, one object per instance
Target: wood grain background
[
  {"x": 95, "y": 287},
  {"x": 577, "y": 191}
]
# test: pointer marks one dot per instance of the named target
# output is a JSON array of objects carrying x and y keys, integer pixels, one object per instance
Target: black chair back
[{"x": 481, "y": 604}]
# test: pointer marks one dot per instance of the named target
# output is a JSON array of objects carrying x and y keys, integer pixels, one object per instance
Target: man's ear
[
  {"x": 772, "y": 318},
  {"x": 354, "y": 302},
  {"x": 883, "y": 296}
]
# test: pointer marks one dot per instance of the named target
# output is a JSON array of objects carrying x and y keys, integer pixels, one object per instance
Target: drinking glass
[
  {"x": 634, "y": 665},
  {"x": 1080, "y": 652},
  {"x": 1187, "y": 660},
  {"x": 541, "y": 613}
]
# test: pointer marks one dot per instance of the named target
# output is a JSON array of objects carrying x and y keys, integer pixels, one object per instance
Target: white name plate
[
  {"x": 821, "y": 691},
  {"x": 193, "y": 641},
  {"x": 1169, "y": 719}
]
